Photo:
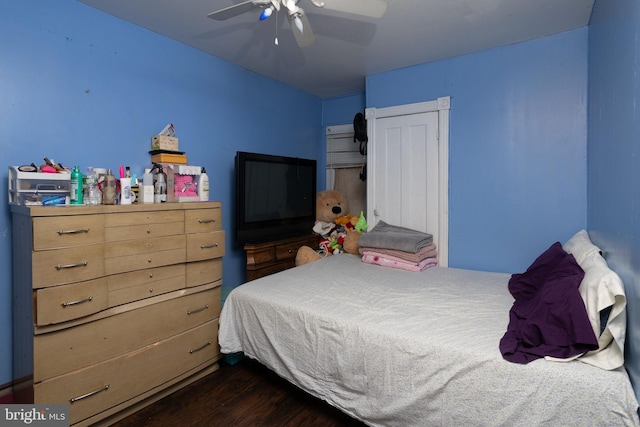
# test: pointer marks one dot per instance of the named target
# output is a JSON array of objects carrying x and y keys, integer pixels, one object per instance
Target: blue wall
[
  {"x": 517, "y": 166},
  {"x": 81, "y": 87},
  {"x": 341, "y": 110},
  {"x": 614, "y": 152}
]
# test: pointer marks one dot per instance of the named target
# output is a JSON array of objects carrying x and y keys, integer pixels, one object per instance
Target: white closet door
[{"x": 405, "y": 173}]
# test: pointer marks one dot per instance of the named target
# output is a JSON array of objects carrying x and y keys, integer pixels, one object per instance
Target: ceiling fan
[{"x": 297, "y": 18}]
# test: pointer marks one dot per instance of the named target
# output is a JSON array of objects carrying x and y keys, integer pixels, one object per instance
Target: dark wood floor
[{"x": 243, "y": 394}]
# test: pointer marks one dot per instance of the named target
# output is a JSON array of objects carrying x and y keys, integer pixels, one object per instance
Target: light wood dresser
[{"x": 114, "y": 306}]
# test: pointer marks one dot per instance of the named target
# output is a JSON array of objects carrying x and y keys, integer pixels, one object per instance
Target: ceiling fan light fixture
[
  {"x": 291, "y": 5},
  {"x": 298, "y": 22},
  {"x": 266, "y": 13}
]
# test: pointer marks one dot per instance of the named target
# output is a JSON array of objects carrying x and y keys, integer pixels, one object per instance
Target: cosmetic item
[
  {"x": 125, "y": 191},
  {"x": 109, "y": 189},
  {"x": 203, "y": 186},
  {"x": 146, "y": 194},
  {"x": 135, "y": 189},
  {"x": 76, "y": 186}
]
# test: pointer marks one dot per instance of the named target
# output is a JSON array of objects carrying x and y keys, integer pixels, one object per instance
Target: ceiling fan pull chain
[{"x": 276, "y": 39}]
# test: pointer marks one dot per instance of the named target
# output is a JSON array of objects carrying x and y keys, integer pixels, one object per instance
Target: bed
[{"x": 392, "y": 347}]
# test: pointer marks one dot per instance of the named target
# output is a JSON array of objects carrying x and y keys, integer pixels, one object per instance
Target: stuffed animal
[
  {"x": 332, "y": 224},
  {"x": 330, "y": 205},
  {"x": 359, "y": 226}
]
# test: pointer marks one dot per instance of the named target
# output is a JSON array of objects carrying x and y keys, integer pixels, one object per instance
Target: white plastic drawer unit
[{"x": 29, "y": 187}]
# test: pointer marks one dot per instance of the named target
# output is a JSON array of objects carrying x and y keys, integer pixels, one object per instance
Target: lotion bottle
[{"x": 203, "y": 186}]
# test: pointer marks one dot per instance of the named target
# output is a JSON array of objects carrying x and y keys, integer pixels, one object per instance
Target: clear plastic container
[{"x": 92, "y": 195}]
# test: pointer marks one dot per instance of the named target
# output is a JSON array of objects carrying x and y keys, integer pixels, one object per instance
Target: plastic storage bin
[{"x": 29, "y": 188}]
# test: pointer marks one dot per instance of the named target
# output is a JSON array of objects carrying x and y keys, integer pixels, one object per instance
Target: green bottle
[{"x": 76, "y": 186}]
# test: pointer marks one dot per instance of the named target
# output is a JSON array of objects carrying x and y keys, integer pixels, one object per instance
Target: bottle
[
  {"x": 160, "y": 193},
  {"x": 76, "y": 186},
  {"x": 91, "y": 192},
  {"x": 109, "y": 189},
  {"x": 147, "y": 190},
  {"x": 125, "y": 191},
  {"x": 203, "y": 186}
]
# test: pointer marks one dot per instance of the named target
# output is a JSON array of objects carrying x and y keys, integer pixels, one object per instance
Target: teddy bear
[{"x": 335, "y": 225}]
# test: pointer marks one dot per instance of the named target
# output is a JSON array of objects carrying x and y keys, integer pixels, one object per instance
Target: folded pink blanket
[
  {"x": 404, "y": 265},
  {"x": 385, "y": 255},
  {"x": 426, "y": 252}
]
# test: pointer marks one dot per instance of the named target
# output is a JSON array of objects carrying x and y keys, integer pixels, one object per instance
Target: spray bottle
[{"x": 160, "y": 184}]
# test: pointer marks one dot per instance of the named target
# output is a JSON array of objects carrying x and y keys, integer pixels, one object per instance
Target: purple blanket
[{"x": 548, "y": 317}]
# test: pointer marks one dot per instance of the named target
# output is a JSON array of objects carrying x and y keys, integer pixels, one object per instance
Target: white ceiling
[{"x": 350, "y": 47}]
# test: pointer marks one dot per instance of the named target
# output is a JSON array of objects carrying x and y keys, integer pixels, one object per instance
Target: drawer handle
[
  {"x": 197, "y": 310},
  {"x": 80, "y": 230},
  {"x": 200, "y": 348},
  {"x": 206, "y": 221},
  {"x": 212, "y": 245},
  {"x": 84, "y": 396},
  {"x": 80, "y": 301},
  {"x": 80, "y": 264}
]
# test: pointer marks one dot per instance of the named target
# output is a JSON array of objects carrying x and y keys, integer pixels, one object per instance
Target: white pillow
[
  {"x": 600, "y": 289},
  {"x": 580, "y": 246}
]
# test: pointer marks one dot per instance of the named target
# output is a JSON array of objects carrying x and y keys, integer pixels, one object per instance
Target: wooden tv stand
[{"x": 277, "y": 255}]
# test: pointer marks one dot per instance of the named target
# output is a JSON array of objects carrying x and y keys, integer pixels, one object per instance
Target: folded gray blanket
[{"x": 388, "y": 236}]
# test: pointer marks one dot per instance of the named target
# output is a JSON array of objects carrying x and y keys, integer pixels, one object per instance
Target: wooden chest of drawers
[
  {"x": 114, "y": 306},
  {"x": 274, "y": 256}
]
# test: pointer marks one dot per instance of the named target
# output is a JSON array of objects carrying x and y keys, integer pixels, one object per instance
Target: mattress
[{"x": 399, "y": 348}]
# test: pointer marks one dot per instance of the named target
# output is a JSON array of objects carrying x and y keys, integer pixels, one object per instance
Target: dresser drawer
[
  {"x": 202, "y": 246},
  {"x": 203, "y": 220},
  {"x": 132, "y": 255},
  {"x": 137, "y": 285},
  {"x": 61, "y": 266},
  {"x": 142, "y": 231},
  {"x": 144, "y": 246},
  {"x": 102, "y": 386},
  {"x": 67, "y": 231},
  {"x": 92, "y": 342},
  {"x": 67, "y": 302},
  {"x": 143, "y": 218},
  {"x": 260, "y": 256},
  {"x": 287, "y": 251},
  {"x": 202, "y": 272}
]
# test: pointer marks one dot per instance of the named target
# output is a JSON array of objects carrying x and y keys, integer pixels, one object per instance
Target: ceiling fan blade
[
  {"x": 235, "y": 10},
  {"x": 301, "y": 29},
  {"x": 370, "y": 8}
]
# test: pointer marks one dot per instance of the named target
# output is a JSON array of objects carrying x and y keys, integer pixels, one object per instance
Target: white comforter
[{"x": 399, "y": 348}]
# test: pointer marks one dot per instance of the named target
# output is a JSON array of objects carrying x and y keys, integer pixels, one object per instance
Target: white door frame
[{"x": 441, "y": 106}]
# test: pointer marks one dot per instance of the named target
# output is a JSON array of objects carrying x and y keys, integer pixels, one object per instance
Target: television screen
[{"x": 275, "y": 196}]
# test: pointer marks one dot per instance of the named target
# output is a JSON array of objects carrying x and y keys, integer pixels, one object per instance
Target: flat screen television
[{"x": 275, "y": 197}]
